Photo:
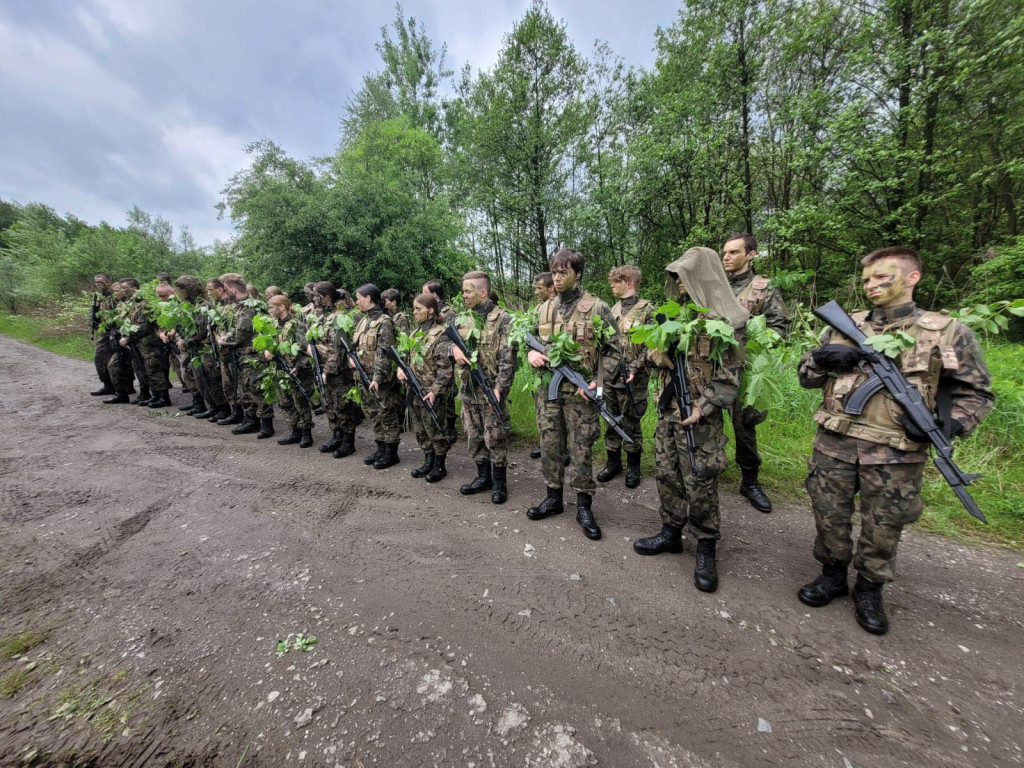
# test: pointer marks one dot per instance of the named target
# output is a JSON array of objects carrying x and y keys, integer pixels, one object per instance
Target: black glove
[
  {"x": 956, "y": 428},
  {"x": 836, "y": 357}
]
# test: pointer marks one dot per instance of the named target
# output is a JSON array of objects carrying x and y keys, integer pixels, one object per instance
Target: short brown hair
[
  {"x": 908, "y": 256},
  {"x": 544, "y": 277},
  {"x": 427, "y": 300},
  {"x": 478, "y": 274},
  {"x": 749, "y": 243},
  {"x": 234, "y": 280},
  {"x": 272, "y": 291},
  {"x": 567, "y": 257},
  {"x": 281, "y": 299},
  {"x": 390, "y": 294},
  {"x": 191, "y": 287},
  {"x": 627, "y": 273}
]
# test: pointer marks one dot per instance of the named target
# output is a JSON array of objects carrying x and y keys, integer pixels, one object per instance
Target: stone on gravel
[
  {"x": 763, "y": 726},
  {"x": 512, "y": 718},
  {"x": 555, "y": 746}
]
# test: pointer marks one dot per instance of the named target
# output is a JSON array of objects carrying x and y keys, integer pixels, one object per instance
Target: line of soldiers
[{"x": 347, "y": 350}]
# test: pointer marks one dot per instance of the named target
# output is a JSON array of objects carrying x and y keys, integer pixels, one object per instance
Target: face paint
[{"x": 885, "y": 283}]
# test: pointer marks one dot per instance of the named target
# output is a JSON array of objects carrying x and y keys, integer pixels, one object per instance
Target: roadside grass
[
  {"x": 784, "y": 439},
  {"x": 16, "y": 645}
]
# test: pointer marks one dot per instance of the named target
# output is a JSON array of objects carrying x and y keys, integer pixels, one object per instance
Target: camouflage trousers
[
  {"x": 428, "y": 436},
  {"x": 342, "y": 412},
  {"x": 294, "y": 407},
  {"x": 487, "y": 439},
  {"x": 618, "y": 402},
  {"x": 250, "y": 393},
  {"x": 229, "y": 379},
  {"x": 186, "y": 371},
  {"x": 119, "y": 369},
  {"x": 686, "y": 498},
  {"x": 386, "y": 421},
  {"x": 890, "y": 498},
  {"x": 744, "y": 426},
  {"x": 154, "y": 357},
  {"x": 101, "y": 358},
  {"x": 206, "y": 376},
  {"x": 176, "y": 363},
  {"x": 572, "y": 423}
]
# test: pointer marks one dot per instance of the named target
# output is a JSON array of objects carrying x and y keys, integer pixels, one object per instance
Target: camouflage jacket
[
  {"x": 436, "y": 371},
  {"x": 293, "y": 331},
  {"x": 629, "y": 313},
  {"x": 374, "y": 333},
  {"x": 401, "y": 321},
  {"x": 758, "y": 297},
  {"x": 572, "y": 312},
  {"x": 957, "y": 365},
  {"x": 712, "y": 385},
  {"x": 239, "y": 336},
  {"x": 145, "y": 332},
  {"x": 496, "y": 356}
]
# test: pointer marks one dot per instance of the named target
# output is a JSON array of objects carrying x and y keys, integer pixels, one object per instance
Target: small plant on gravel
[{"x": 301, "y": 642}]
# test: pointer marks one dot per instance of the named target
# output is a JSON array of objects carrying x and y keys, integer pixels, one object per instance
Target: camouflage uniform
[
  {"x": 401, "y": 321},
  {"x": 228, "y": 357},
  {"x": 572, "y": 420},
  {"x": 871, "y": 453},
  {"x": 296, "y": 409},
  {"x": 628, "y": 313},
  {"x": 448, "y": 316},
  {"x": 496, "y": 358},
  {"x": 119, "y": 363},
  {"x": 103, "y": 350},
  {"x": 152, "y": 350},
  {"x": 342, "y": 411},
  {"x": 374, "y": 333},
  {"x": 435, "y": 374},
  {"x": 758, "y": 297},
  {"x": 686, "y": 498},
  {"x": 200, "y": 348},
  {"x": 239, "y": 341}
]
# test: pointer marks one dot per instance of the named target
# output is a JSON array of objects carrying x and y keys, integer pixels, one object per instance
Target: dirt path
[{"x": 163, "y": 558}]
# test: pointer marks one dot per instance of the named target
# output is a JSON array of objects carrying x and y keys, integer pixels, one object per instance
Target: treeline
[{"x": 826, "y": 128}]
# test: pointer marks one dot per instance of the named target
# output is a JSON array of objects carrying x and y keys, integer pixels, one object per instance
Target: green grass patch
[
  {"x": 16, "y": 645},
  {"x": 46, "y": 332},
  {"x": 12, "y": 682}
]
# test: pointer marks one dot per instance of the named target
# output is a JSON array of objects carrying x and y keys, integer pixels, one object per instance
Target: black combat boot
[
  {"x": 160, "y": 400},
  {"x": 197, "y": 405},
  {"x": 870, "y": 611},
  {"x": 612, "y": 469},
  {"x": 500, "y": 493},
  {"x": 830, "y": 584},
  {"x": 144, "y": 396},
  {"x": 206, "y": 413},
  {"x": 389, "y": 457},
  {"x": 424, "y": 469},
  {"x": 535, "y": 453},
  {"x": 331, "y": 445},
  {"x": 237, "y": 416},
  {"x": 216, "y": 414},
  {"x": 632, "y": 470},
  {"x": 705, "y": 575},
  {"x": 106, "y": 389},
  {"x": 348, "y": 444},
  {"x": 307, "y": 439},
  {"x": 669, "y": 540},
  {"x": 482, "y": 481},
  {"x": 750, "y": 488},
  {"x": 248, "y": 425},
  {"x": 451, "y": 433},
  {"x": 552, "y": 505},
  {"x": 266, "y": 428},
  {"x": 439, "y": 472},
  {"x": 373, "y": 457},
  {"x": 585, "y": 516},
  {"x": 118, "y": 399},
  {"x": 290, "y": 439}
]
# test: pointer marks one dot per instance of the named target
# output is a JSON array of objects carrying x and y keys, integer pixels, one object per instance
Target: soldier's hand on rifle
[
  {"x": 591, "y": 387},
  {"x": 429, "y": 398},
  {"x": 460, "y": 358},
  {"x": 630, "y": 379},
  {"x": 373, "y": 386},
  {"x": 695, "y": 415},
  {"x": 497, "y": 394},
  {"x": 401, "y": 376},
  {"x": 839, "y": 358},
  {"x": 536, "y": 359},
  {"x": 123, "y": 342},
  {"x": 267, "y": 355}
]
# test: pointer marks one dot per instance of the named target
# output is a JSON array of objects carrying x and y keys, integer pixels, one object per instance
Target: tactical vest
[
  {"x": 365, "y": 339},
  {"x": 488, "y": 344},
  {"x": 753, "y": 296},
  {"x": 426, "y": 371},
  {"x": 922, "y": 365},
  {"x": 579, "y": 326},
  {"x": 627, "y": 321}
]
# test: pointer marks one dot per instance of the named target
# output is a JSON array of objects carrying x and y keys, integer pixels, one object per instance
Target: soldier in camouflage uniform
[
  {"x": 147, "y": 344},
  {"x": 758, "y": 297},
  {"x": 626, "y": 394},
  {"x": 259, "y": 414},
  {"x": 119, "y": 364},
  {"x": 172, "y": 353},
  {"x": 434, "y": 371},
  {"x": 880, "y": 454},
  {"x": 496, "y": 358},
  {"x": 391, "y": 297},
  {"x": 573, "y": 421},
  {"x": 201, "y": 360},
  {"x": 342, "y": 409},
  {"x": 689, "y": 495},
  {"x": 103, "y": 301},
  {"x": 295, "y": 407},
  {"x": 448, "y": 316},
  {"x": 374, "y": 333},
  {"x": 222, "y": 308},
  {"x": 543, "y": 289}
]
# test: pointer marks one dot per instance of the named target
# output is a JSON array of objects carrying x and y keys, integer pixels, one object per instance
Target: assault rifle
[
  {"x": 414, "y": 386},
  {"x": 679, "y": 391},
  {"x": 140, "y": 365},
  {"x": 574, "y": 377},
  {"x": 318, "y": 371},
  {"x": 623, "y": 373},
  {"x": 290, "y": 372},
  {"x": 363, "y": 377},
  {"x": 94, "y": 320},
  {"x": 885, "y": 374},
  {"x": 478, "y": 376}
]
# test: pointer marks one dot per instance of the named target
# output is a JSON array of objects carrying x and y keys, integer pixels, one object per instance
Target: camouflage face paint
[{"x": 885, "y": 283}]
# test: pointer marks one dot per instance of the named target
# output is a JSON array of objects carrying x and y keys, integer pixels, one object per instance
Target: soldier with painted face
[
  {"x": 626, "y": 393},
  {"x": 330, "y": 305},
  {"x": 572, "y": 422},
  {"x": 688, "y": 494},
  {"x": 103, "y": 301},
  {"x": 879, "y": 454},
  {"x": 543, "y": 289},
  {"x": 496, "y": 358},
  {"x": 758, "y": 297},
  {"x": 374, "y": 333},
  {"x": 434, "y": 371},
  {"x": 391, "y": 297}
]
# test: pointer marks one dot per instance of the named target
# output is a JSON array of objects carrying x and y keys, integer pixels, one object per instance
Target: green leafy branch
[
  {"x": 410, "y": 346},
  {"x": 677, "y": 327},
  {"x": 991, "y": 319},
  {"x": 891, "y": 344}
]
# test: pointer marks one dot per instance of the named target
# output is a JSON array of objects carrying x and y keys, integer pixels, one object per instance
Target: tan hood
[{"x": 701, "y": 272}]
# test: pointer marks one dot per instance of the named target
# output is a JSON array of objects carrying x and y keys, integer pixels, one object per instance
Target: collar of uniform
[
  {"x": 741, "y": 279},
  {"x": 374, "y": 312},
  {"x": 570, "y": 297},
  {"x": 485, "y": 308},
  {"x": 628, "y": 304},
  {"x": 889, "y": 315},
  {"x": 426, "y": 326}
]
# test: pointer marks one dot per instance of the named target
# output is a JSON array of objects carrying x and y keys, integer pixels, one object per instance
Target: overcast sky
[{"x": 105, "y": 104}]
